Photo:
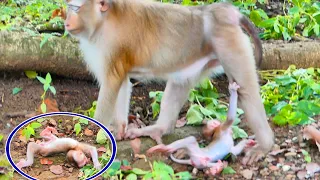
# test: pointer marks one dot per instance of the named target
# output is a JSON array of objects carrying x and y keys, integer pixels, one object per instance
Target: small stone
[
  {"x": 16, "y": 144},
  {"x": 56, "y": 169},
  {"x": 286, "y": 168},
  {"x": 290, "y": 176},
  {"x": 52, "y": 122},
  {"x": 70, "y": 170},
  {"x": 290, "y": 154},
  {"x": 302, "y": 145},
  {"x": 247, "y": 174},
  {"x": 264, "y": 172},
  {"x": 289, "y": 141},
  {"x": 295, "y": 139}
]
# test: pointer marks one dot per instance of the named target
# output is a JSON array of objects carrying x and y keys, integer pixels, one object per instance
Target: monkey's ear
[{"x": 104, "y": 5}]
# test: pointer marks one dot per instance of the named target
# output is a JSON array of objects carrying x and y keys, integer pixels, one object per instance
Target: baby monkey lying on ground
[
  {"x": 76, "y": 151},
  {"x": 221, "y": 145}
]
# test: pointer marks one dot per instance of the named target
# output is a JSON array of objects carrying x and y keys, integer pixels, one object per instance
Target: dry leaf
[
  {"x": 52, "y": 106},
  {"x": 22, "y": 139},
  {"x": 56, "y": 169},
  {"x": 45, "y": 161},
  {"x": 88, "y": 132},
  {"x": 181, "y": 122},
  {"x": 125, "y": 168},
  {"x": 247, "y": 173},
  {"x": 135, "y": 145}
]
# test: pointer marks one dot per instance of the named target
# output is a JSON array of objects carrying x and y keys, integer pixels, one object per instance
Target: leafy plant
[
  {"x": 292, "y": 97},
  {"x": 306, "y": 155},
  {"x": 8, "y": 170},
  {"x": 102, "y": 137},
  {"x": 77, "y": 127},
  {"x": 228, "y": 170},
  {"x": 155, "y": 105},
  {"x": 159, "y": 171},
  {"x": 29, "y": 130},
  {"x": 46, "y": 85}
]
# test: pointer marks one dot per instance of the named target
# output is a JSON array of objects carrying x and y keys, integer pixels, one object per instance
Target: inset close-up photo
[{"x": 60, "y": 146}]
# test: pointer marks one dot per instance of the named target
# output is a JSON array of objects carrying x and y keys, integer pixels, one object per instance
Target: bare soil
[{"x": 72, "y": 94}]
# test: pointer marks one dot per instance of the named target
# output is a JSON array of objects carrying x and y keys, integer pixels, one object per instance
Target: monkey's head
[
  {"x": 85, "y": 16},
  {"x": 78, "y": 157}
]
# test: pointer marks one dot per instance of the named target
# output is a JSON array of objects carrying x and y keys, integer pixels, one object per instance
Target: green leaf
[
  {"x": 115, "y": 166},
  {"x": 267, "y": 23},
  {"x": 1, "y": 137},
  {"x": 53, "y": 90},
  {"x": 83, "y": 121},
  {"x": 48, "y": 78},
  {"x": 139, "y": 171},
  {"x": 278, "y": 106},
  {"x": 155, "y": 108},
  {"x": 16, "y": 90},
  {"x": 238, "y": 132},
  {"x": 255, "y": 17},
  {"x": 228, "y": 170},
  {"x": 279, "y": 120},
  {"x": 43, "y": 81},
  {"x": 101, "y": 137},
  {"x": 294, "y": 10},
  {"x": 276, "y": 27},
  {"x": 307, "y": 156},
  {"x": 316, "y": 29},
  {"x": 206, "y": 111},
  {"x": 148, "y": 176},
  {"x": 125, "y": 162},
  {"x": 194, "y": 116},
  {"x": 77, "y": 128},
  {"x": 309, "y": 108},
  {"x": 35, "y": 125},
  {"x": 46, "y": 87},
  {"x": 131, "y": 177},
  {"x": 43, "y": 107},
  {"x": 31, "y": 74},
  {"x": 302, "y": 20},
  {"x": 285, "y": 80}
]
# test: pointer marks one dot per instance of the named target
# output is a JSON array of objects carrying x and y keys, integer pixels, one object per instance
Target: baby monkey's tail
[{"x": 180, "y": 161}]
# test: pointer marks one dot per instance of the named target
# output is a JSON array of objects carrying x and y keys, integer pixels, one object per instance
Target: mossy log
[{"x": 20, "y": 51}]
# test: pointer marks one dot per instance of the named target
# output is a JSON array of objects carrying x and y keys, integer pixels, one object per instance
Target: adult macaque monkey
[{"x": 146, "y": 39}]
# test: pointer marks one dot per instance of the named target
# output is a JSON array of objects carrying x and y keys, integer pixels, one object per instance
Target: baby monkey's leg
[
  {"x": 190, "y": 143},
  {"x": 31, "y": 150}
]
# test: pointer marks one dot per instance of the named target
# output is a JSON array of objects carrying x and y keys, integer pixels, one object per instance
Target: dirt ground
[{"x": 284, "y": 162}]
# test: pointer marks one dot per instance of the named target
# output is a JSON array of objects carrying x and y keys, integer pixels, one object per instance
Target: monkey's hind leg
[
  {"x": 234, "y": 51},
  {"x": 173, "y": 99}
]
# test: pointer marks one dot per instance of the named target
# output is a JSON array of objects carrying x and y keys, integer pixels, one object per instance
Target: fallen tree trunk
[{"x": 21, "y": 51}]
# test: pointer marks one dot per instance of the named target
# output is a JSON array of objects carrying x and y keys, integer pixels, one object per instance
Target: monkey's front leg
[
  {"x": 109, "y": 90},
  {"x": 173, "y": 99},
  {"x": 122, "y": 108}
]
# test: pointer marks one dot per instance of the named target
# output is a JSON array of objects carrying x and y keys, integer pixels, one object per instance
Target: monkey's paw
[
  {"x": 154, "y": 131},
  {"x": 97, "y": 166},
  {"x": 254, "y": 154},
  {"x": 216, "y": 169},
  {"x": 233, "y": 87}
]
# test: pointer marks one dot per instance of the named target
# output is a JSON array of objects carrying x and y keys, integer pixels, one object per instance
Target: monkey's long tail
[
  {"x": 180, "y": 161},
  {"x": 247, "y": 25}
]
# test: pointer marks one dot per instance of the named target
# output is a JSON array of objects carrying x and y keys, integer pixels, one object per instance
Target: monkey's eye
[{"x": 74, "y": 8}]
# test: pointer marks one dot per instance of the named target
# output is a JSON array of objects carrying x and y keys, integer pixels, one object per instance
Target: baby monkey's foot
[
  {"x": 161, "y": 148},
  {"x": 215, "y": 169},
  {"x": 233, "y": 87},
  {"x": 21, "y": 163},
  {"x": 154, "y": 131}
]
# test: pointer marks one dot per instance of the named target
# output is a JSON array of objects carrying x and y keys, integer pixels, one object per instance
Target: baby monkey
[
  {"x": 76, "y": 151},
  {"x": 221, "y": 145}
]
